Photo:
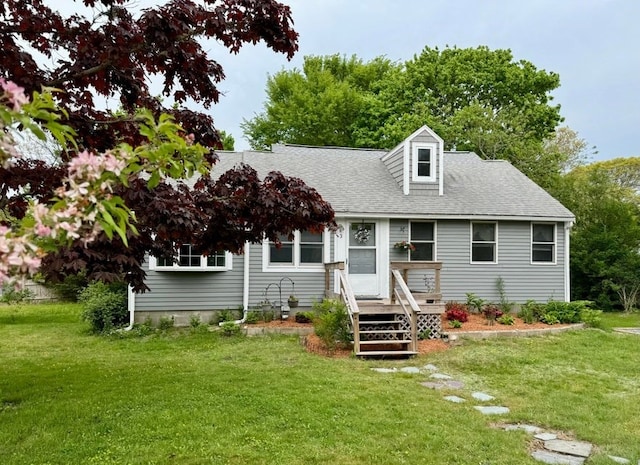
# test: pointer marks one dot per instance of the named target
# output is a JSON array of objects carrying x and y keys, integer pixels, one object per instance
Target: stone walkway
[{"x": 553, "y": 448}]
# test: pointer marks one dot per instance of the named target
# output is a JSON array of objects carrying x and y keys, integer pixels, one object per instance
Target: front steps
[{"x": 382, "y": 332}]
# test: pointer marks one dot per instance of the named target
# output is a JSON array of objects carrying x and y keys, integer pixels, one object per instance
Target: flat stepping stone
[
  {"x": 385, "y": 370},
  {"x": 481, "y": 396},
  {"x": 455, "y": 399},
  {"x": 531, "y": 429},
  {"x": 619, "y": 459},
  {"x": 546, "y": 436},
  {"x": 492, "y": 409},
  {"x": 444, "y": 384},
  {"x": 440, "y": 376},
  {"x": 577, "y": 448},
  {"x": 430, "y": 367},
  {"x": 412, "y": 370},
  {"x": 554, "y": 458}
]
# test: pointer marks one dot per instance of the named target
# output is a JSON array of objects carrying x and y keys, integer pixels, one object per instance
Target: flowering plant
[{"x": 404, "y": 245}]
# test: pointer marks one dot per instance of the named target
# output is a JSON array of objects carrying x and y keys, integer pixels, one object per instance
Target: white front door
[{"x": 362, "y": 259}]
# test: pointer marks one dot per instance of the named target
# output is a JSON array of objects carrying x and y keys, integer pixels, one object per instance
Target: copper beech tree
[{"x": 107, "y": 49}]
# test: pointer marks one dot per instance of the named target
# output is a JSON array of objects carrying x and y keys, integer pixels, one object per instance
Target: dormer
[{"x": 417, "y": 162}]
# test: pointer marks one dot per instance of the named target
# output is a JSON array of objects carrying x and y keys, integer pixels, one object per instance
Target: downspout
[
  {"x": 245, "y": 287},
  {"x": 567, "y": 275},
  {"x": 131, "y": 306}
]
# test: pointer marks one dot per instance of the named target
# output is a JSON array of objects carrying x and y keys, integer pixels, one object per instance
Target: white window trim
[
  {"x": 495, "y": 241},
  {"x": 555, "y": 244},
  {"x": 435, "y": 238},
  {"x": 433, "y": 147},
  {"x": 228, "y": 260},
  {"x": 296, "y": 267}
]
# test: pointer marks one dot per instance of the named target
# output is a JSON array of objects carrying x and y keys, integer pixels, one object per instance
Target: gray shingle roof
[{"x": 357, "y": 182}]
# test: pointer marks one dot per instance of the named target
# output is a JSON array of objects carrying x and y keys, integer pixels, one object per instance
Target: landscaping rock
[
  {"x": 531, "y": 429},
  {"x": 579, "y": 448},
  {"x": 492, "y": 409},
  {"x": 430, "y": 367},
  {"x": 546, "y": 436},
  {"x": 481, "y": 396},
  {"x": 445, "y": 384},
  {"x": 556, "y": 459},
  {"x": 440, "y": 376},
  {"x": 412, "y": 370},
  {"x": 455, "y": 399},
  {"x": 385, "y": 370}
]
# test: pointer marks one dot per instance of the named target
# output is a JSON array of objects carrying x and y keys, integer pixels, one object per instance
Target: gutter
[{"x": 131, "y": 306}]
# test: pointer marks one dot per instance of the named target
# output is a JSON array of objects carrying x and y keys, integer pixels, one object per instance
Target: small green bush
[
  {"x": 530, "y": 311},
  {"x": 70, "y": 288},
  {"x": 332, "y": 323},
  {"x": 506, "y": 319},
  {"x": 165, "y": 323},
  {"x": 13, "y": 295},
  {"x": 591, "y": 317},
  {"x": 253, "y": 317},
  {"x": 455, "y": 323},
  {"x": 474, "y": 303},
  {"x": 230, "y": 329},
  {"x": 104, "y": 306}
]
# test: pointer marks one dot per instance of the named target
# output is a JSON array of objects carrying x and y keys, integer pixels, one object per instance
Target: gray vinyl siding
[
  {"x": 398, "y": 232},
  {"x": 522, "y": 280},
  {"x": 309, "y": 286},
  {"x": 192, "y": 290},
  {"x": 395, "y": 165}
]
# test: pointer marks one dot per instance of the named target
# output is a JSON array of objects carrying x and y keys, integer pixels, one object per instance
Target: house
[{"x": 483, "y": 220}]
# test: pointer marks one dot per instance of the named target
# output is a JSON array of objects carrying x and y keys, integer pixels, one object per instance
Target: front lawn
[{"x": 182, "y": 397}]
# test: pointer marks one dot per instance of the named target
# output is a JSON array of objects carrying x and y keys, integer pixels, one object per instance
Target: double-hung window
[
  {"x": 422, "y": 236},
  {"x": 484, "y": 242},
  {"x": 304, "y": 251},
  {"x": 543, "y": 243},
  {"x": 424, "y": 162},
  {"x": 189, "y": 260}
]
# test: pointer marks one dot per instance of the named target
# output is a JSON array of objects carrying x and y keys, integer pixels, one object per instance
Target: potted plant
[{"x": 293, "y": 301}]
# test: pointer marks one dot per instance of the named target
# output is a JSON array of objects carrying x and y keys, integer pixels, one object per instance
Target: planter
[{"x": 292, "y": 303}]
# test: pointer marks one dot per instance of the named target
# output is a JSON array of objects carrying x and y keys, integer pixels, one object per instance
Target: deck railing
[
  {"x": 345, "y": 293},
  {"x": 404, "y": 267},
  {"x": 403, "y": 295}
]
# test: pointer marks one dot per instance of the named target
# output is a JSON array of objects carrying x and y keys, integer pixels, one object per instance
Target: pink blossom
[
  {"x": 42, "y": 230},
  {"x": 15, "y": 93}
]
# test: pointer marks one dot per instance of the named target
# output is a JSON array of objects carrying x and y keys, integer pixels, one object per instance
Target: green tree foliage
[
  {"x": 475, "y": 99},
  {"x": 322, "y": 104},
  {"x": 605, "y": 263}
]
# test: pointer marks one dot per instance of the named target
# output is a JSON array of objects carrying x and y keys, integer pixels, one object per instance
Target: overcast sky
[{"x": 592, "y": 44}]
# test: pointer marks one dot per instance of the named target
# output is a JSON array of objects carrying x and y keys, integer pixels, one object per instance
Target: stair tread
[
  {"x": 387, "y": 341},
  {"x": 386, "y": 352},
  {"x": 380, "y": 322},
  {"x": 383, "y": 331}
]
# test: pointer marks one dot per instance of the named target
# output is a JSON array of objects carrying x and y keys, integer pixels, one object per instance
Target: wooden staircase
[
  {"x": 385, "y": 329},
  {"x": 381, "y": 331}
]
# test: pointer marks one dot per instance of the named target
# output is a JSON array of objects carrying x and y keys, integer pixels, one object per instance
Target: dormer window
[{"x": 424, "y": 158}]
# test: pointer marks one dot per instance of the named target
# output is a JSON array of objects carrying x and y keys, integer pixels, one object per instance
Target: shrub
[
  {"x": 456, "y": 311},
  {"x": 474, "y": 303},
  {"x": 332, "y": 323},
  {"x": 70, "y": 288},
  {"x": 165, "y": 323},
  {"x": 253, "y": 317},
  {"x": 491, "y": 312},
  {"x": 591, "y": 317},
  {"x": 529, "y": 311},
  {"x": 455, "y": 324},
  {"x": 104, "y": 306},
  {"x": 13, "y": 295},
  {"x": 506, "y": 320},
  {"x": 230, "y": 329}
]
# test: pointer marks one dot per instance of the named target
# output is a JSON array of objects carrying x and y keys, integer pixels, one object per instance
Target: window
[
  {"x": 306, "y": 250},
  {"x": 543, "y": 243},
  {"x": 424, "y": 163},
  {"x": 484, "y": 243},
  {"x": 422, "y": 237},
  {"x": 189, "y": 260}
]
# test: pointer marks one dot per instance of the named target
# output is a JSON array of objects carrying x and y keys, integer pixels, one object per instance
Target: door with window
[{"x": 362, "y": 259}]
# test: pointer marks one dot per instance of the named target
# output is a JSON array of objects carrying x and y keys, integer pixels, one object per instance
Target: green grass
[
  {"x": 182, "y": 397},
  {"x": 621, "y": 320}
]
